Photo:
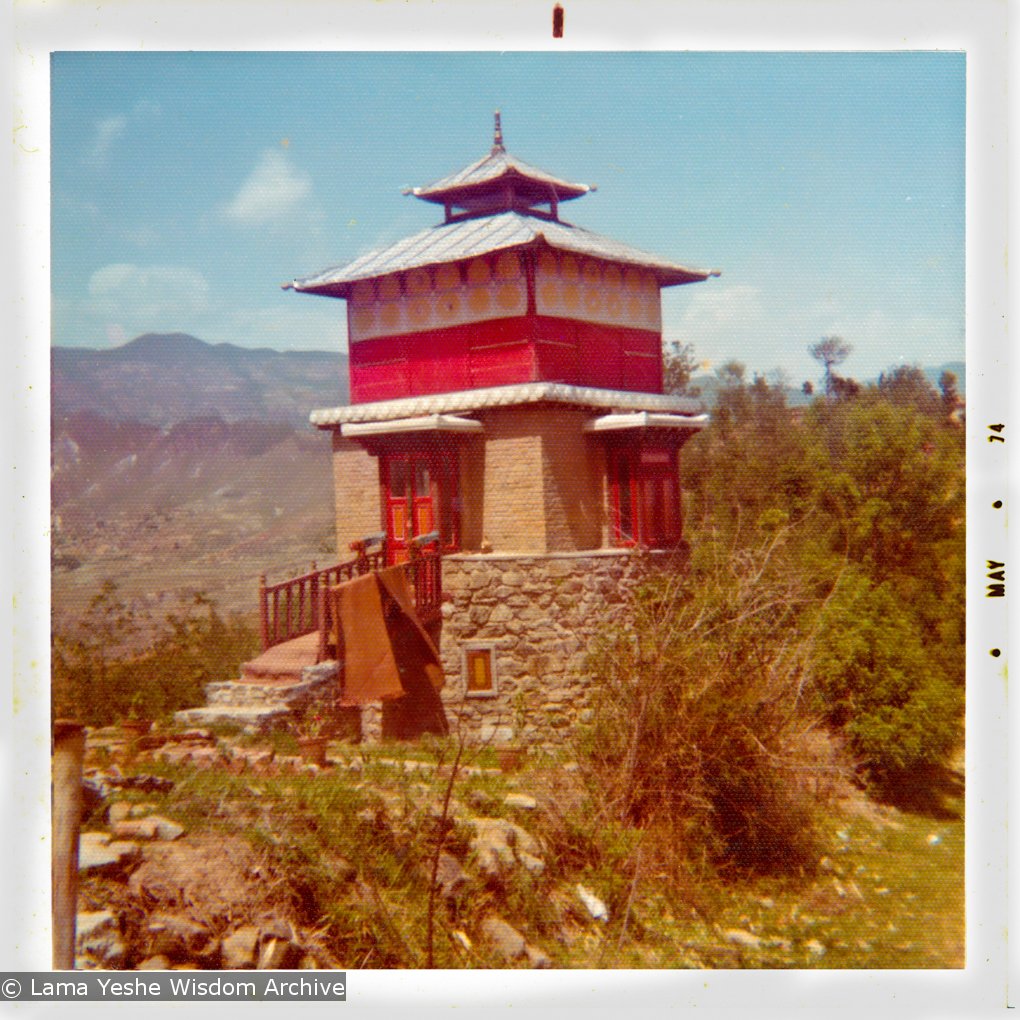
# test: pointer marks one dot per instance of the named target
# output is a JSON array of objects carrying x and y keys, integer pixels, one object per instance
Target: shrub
[
  {"x": 876, "y": 678},
  {"x": 113, "y": 664},
  {"x": 699, "y": 727}
]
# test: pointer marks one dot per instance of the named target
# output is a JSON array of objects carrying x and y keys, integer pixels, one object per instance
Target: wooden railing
[
  {"x": 424, "y": 570},
  {"x": 291, "y": 608},
  {"x": 295, "y": 607}
]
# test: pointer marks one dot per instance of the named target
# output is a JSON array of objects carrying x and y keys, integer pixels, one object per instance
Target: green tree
[
  {"x": 830, "y": 351},
  {"x": 881, "y": 683},
  {"x": 678, "y": 365},
  {"x": 907, "y": 385}
]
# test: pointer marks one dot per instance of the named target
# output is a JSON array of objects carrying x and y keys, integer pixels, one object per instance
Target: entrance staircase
[{"x": 294, "y": 666}]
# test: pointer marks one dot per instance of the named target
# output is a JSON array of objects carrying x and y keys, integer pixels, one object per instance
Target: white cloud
[
  {"x": 143, "y": 298},
  {"x": 722, "y": 322},
  {"x": 106, "y": 133},
  {"x": 272, "y": 191}
]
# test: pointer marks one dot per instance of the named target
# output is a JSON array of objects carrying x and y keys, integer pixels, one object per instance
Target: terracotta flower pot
[
  {"x": 313, "y": 750},
  {"x": 511, "y": 758}
]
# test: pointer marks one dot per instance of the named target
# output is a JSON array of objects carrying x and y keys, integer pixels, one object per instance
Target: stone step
[
  {"x": 258, "y": 706},
  {"x": 258, "y": 718}
]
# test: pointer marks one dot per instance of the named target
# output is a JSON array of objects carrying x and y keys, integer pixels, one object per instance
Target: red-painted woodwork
[
  {"x": 501, "y": 352},
  {"x": 644, "y": 493},
  {"x": 421, "y": 493}
]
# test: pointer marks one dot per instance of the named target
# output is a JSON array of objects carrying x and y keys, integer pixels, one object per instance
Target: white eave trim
[
  {"x": 645, "y": 420},
  {"x": 472, "y": 401},
  {"x": 400, "y": 426}
]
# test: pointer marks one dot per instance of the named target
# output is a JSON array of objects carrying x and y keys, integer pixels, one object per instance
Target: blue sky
[{"x": 827, "y": 187}]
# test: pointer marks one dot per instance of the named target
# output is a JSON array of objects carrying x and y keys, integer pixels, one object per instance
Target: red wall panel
[{"x": 500, "y": 352}]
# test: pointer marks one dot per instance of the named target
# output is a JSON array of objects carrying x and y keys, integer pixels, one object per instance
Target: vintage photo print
[{"x": 521, "y": 503}]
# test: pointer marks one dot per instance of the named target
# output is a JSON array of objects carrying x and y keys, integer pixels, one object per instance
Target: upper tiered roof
[
  {"x": 499, "y": 182},
  {"x": 493, "y": 205}
]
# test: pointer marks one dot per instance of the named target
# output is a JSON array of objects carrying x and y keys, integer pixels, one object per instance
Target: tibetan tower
[{"x": 506, "y": 383}]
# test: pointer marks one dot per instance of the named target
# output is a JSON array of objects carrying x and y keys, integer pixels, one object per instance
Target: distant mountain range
[{"x": 162, "y": 379}]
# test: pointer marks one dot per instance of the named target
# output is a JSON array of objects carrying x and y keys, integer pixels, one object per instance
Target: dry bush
[{"x": 700, "y": 726}]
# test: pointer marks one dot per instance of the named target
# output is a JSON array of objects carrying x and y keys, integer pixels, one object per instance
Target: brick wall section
[
  {"x": 358, "y": 503},
  {"x": 511, "y": 504},
  {"x": 541, "y": 614},
  {"x": 571, "y": 477},
  {"x": 541, "y": 482}
]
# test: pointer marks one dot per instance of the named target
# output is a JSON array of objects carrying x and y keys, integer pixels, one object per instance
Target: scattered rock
[
  {"x": 598, "y": 910},
  {"x": 451, "y": 878},
  {"x": 118, "y": 812},
  {"x": 533, "y": 864},
  {"x": 153, "y": 827},
  {"x": 499, "y": 844},
  {"x": 239, "y": 949},
  {"x": 508, "y": 942},
  {"x": 167, "y": 830},
  {"x": 97, "y": 854},
  {"x": 175, "y": 936},
  {"x": 815, "y": 948},
  {"x": 742, "y": 938},
  {"x": 190, "y": 755},
  {"x": 98, "y": 939},
  {"x": 154, "y": 963},
  {"x": 520, "y": 800},
  {"x": 537, "y": 959},
  {"x": 145, "y": 783}
]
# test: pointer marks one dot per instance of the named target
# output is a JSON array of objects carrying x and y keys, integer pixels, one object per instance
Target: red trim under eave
[{"x": 502, "y": 352}]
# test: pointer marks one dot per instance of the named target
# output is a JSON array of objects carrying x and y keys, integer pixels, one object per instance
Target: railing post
[
  {"x": 359, "y": 549},
  {"x": 68, "y": 754},
  {"x": 313, "y": 595},
  {"x": 264, "y": 612}
]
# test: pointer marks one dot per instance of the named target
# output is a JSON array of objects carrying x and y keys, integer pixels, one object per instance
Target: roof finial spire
[{"x": 497, "y": 139}]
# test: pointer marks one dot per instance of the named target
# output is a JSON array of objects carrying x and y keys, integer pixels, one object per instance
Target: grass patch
[{"x": 348, "y": 851}]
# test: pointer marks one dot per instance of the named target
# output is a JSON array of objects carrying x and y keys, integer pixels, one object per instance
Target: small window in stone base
[{"x": 480, "y": 671}]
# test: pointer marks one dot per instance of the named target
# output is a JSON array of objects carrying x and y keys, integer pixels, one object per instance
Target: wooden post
[
  {"x": 313, "y": 595},
  {"x": 264, "y": 612},
  {"x": 68, "y": 754}
]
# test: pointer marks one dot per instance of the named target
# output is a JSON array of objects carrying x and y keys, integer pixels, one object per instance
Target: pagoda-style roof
[
  {"x": 499, "y": 182},
  {"x": 469, "y": 238}
]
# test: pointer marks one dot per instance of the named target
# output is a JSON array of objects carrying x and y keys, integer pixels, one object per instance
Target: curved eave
[
  {"x": 610, "y": 402},
  {"x": 493, "y": 171},
  {"x": 468, "y": 239}
]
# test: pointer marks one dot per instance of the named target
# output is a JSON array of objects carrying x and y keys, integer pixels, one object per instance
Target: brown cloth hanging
[
  {"x": 386, "y": 652},
  {"x": 370, "y": 670}
]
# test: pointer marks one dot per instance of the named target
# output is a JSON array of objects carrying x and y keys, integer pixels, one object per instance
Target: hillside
[
  {"x": 178, "y": 466},
  {"x": 161, "y": 379}
]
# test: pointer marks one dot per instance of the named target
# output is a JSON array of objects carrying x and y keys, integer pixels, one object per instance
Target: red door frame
[
  {"x": 429, "y": 501},
  {"x": 644, "y": 493}
]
